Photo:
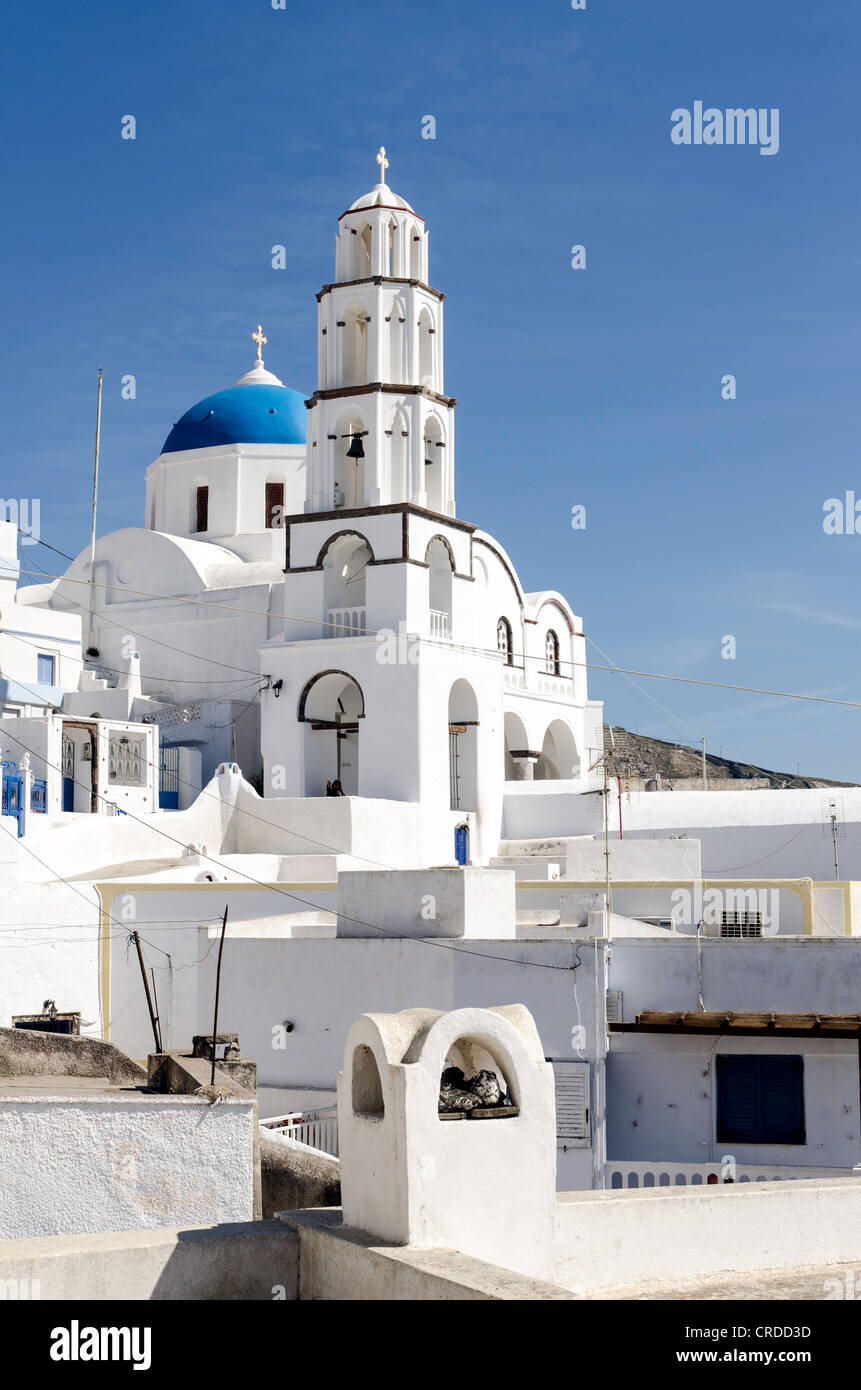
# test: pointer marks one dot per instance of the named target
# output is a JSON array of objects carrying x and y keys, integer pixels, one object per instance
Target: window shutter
[
  {"x": 760, "y": 1099},
  {"x": 614, "y": 1006},
  {"x": 573, "y": 1127}
]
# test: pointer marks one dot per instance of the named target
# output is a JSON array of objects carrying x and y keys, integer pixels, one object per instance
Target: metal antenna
[{"x": 217, "y": 991}]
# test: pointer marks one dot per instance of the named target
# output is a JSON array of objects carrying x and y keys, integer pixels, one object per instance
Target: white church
[{"x": 316, "y": 542}]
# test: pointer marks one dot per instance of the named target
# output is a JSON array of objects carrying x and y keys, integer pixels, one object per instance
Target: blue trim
[{"x": 242, "y": 415}]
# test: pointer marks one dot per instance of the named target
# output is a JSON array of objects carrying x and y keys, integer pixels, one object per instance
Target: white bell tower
[{"x": 380, "y": 428}]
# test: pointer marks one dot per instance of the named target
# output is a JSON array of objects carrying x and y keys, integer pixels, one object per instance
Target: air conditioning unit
[{"x": 614, "y": 1006}]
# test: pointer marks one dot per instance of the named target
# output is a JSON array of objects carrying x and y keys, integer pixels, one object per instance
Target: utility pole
[{"x": 705, "y": 776}]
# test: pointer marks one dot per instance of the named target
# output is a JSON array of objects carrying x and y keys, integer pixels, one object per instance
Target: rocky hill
[{"x": 637, "y": 756}]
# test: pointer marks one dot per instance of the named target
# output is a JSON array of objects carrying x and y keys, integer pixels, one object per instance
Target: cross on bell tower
[
  {"x": 383, "y": 163},
  {"x": 259, "y": 340}
]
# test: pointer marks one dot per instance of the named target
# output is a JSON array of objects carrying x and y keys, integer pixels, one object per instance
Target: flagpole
[{"x": 95, "y": 500}]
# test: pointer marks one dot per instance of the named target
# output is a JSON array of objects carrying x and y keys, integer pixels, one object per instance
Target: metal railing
[
  {"x": 318, "y": 1129},
  {"x": 39, "y": 795},
  {"x": 345, "y": 622}
]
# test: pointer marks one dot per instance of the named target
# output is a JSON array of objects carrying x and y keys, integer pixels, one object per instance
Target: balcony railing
[
  {"x": 655, "y": 1174},
  {"x": 318, "y": 1129},
  {"x": 439, "y": 624},
  {"x": 345, "y": 622}
]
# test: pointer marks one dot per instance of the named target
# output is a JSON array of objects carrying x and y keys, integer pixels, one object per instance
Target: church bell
[{"x": 355, "y": 451}]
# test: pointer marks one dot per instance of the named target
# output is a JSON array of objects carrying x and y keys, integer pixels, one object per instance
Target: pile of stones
[{"x": 482, "y": 1092}]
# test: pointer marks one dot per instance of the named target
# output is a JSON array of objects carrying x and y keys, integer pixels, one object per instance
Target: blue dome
[{"x": 252, "y": 414}]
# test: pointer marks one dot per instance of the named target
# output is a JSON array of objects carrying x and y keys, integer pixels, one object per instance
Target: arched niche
[
  {"x": 475, "y": 1053},
  {"x": 367, "y": 1085}
]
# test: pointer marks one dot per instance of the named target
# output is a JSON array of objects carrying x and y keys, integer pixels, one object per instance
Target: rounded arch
[
  {"x": 331, "y": 706},
  {"x": 426, "y": 329},
  {"x": 398, "y": 452},
  {"x": 434, "y": 442},
  {"x": 367, "y": 1088},
  {"x": 308, "y": 709},
  {"x": 560, "y": 759},
  {"x": 505, "y": 641},
  {"x": 345, "y": 566},
  {"x": 397, "y": 318},
  {"x": 551, "y": 653},
  {"x": 440, "y": 562},
  {"x": 444, "y": 541},
  {"x": 516, "y": 741},
  {"x": 349, "y": 472},
  {"x": 337, "y": 536},
  {"x": 463, "y": 746},
  {"x": 354, "y": 344}
]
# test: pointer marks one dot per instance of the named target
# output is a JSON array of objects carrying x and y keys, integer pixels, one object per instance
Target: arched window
[
  {"x": 503, "y": 641},
  {"x": 551, "y": 654}
]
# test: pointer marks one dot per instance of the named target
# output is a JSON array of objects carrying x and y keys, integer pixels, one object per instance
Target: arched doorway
[
  {"x": 516, "y": 741},
  {"x": 331, "y": 706},
  {"x": 559, "y": 759},
  {"x": 463, "y": 747}
]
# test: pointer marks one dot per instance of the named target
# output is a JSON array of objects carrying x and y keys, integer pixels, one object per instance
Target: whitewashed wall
[{"x": 123, "y": 1162}]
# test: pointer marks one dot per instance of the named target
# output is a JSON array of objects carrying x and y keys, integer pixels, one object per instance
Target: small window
[
  {"x": 274, "y": 506},
  {"x": 735, "y": 925},
  {"x": 503, "y": 641},
  {"x": 202, "y": 509},
  {"x": 551, "y": 654},
  {"x": 45, "y": 666},
  {"x": 760, "y": 1100}
]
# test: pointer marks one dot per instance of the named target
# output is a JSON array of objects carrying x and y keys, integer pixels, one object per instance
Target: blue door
[
  {"x": 461, "y": 844},
  {"x": 68, "y": 774},
  {"x": 168, "y": 786},
  {"x": 12, "y": 783}
]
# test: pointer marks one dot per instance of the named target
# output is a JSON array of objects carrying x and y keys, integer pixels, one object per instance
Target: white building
[{"x": 398, "y": 652}]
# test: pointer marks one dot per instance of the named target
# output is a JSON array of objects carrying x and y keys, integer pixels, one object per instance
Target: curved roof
[
  {"x": 380, "y": 196},
  {"x": 249, "y": 413}
]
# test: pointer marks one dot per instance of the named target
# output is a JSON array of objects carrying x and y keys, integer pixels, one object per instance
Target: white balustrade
[
  {"x": 316, "y": 1129},
  {"x": 438, "y": 624},
  {"x": 668, "y": 1174},
  {"x": 345, "y": 622}
]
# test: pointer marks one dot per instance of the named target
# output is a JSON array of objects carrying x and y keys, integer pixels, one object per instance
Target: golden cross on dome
[
  {"x": 259, "y": 340},
  {"x": 383, "y": 163}
]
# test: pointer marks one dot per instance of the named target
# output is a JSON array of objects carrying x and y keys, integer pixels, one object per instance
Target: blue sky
[{"x": 599, "y": 387}]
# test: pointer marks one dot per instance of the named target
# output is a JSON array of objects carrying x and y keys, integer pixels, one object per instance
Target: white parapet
[{"x": 475, "y": 904}]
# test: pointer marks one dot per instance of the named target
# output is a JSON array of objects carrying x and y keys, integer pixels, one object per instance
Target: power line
[
  {"x": 449, "y": 645},
  {"x": 273, "y": 888}
]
